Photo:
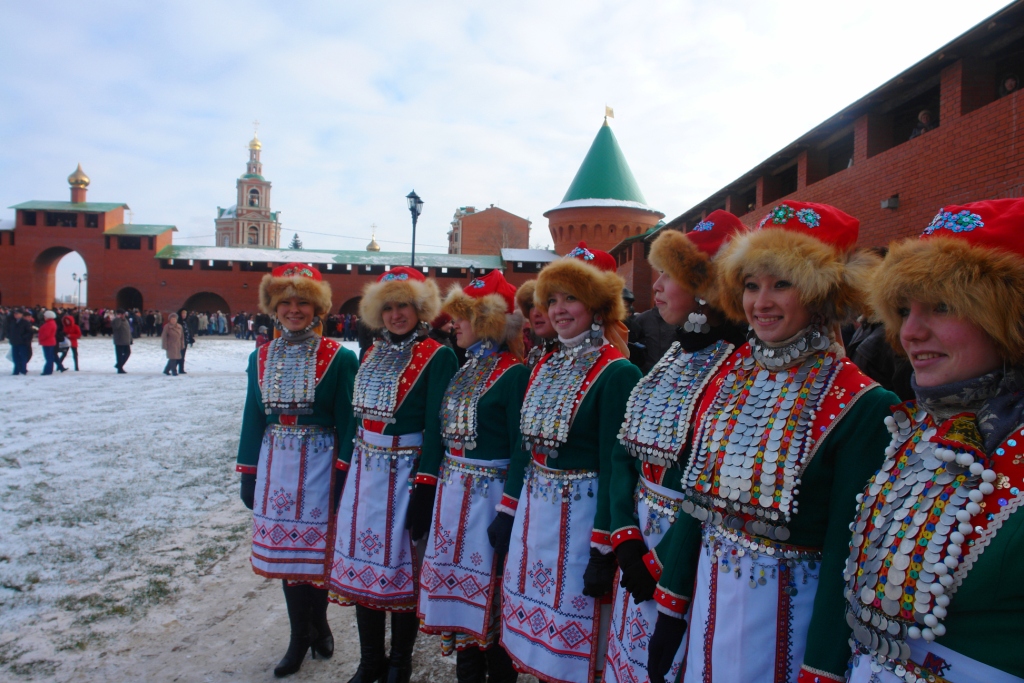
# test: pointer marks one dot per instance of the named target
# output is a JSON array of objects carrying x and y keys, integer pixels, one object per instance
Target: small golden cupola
[
  {"x": 373, "y": 246},
  {"x": 79, "y": 184},
  {"x": 255, "y": 142}
]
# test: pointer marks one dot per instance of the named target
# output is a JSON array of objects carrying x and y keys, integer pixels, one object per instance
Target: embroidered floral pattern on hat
[
  {"x": 581, "y": 252},
  {"x": 703, "y": 226},
  {"x": 394, "y": 276},
  {"x": 476, "y": 283},
  {"x": 780, "y": 215},
  {"x": 303, "y": 272},
  {"x": 964, "y": 221},
  {"x": 809, "y": 217}
]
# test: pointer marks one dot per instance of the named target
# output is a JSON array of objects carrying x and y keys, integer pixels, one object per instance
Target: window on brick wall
[
  {"x": 28, "y": 217},
  {"x": 780, "y": 184},
  {"x": 129, "y": 242},
  {"x": 833, "y": 155},
  {"x": 61, "y": 219},
  {"x": 747, "y": 201},
  {"x": 92, "y": 220}
]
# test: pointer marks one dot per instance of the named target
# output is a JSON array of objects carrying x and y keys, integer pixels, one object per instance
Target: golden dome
[
  {"x": 373, "y": 246},
  {"x": 78, "y": 178},
  {"x": 255, "y": 142}
]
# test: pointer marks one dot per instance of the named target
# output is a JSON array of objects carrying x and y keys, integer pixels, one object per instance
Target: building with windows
[
  {"x": 250, "y": 222},
  {"x": 487, "y": 232}
]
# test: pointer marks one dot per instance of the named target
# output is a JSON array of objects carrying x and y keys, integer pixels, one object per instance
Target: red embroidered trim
[
  {"x": 421, "y": 355},
  {"x": 810, "y": 675},
  {"x": 653, "y": 565},
  {"x": 783, "y": 626},
  {"x": 245, "y": 469},
  {"x": 342, "y": 465},
  {"x": 653, "y": 473},
  {"x": 288, "y": 420},
  {"x": 426, "y": 479},
  {"x": 674, "y": 604},
  {"x": 509, "y": 502},
  {"x": 625, "y": 534},
  {"x": 600, "y": 537}
]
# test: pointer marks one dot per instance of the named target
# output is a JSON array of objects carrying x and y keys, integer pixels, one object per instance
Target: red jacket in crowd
[
  {"x": 48, "y": 333},
  {"x": 72, "y": 331}
]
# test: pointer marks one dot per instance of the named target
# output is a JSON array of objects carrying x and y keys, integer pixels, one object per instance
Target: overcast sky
[{"x": 467, "y": 103}]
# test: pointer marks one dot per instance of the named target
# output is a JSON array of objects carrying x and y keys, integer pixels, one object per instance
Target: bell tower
[{"x": 250, "y": 222}]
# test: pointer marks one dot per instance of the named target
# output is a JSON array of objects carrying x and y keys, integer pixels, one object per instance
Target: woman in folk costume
[
  {"x": 541, "y": 333},
  {"x": 297, "y": 410},
  {"x": 647, "y": 463},
  {"x": 392, "y": 467},
  {"x": 784, "y": 438},
  {"x": 561, "y": 560},
  {"x": 459, "y": 581},
  {"x": 934, "y": 572}
]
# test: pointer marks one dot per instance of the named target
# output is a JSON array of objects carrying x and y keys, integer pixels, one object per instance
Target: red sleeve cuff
[
  {"x": 426, "y": 479},
  {"x": 624, "y": 534},
  {"x": 653, "y": 565},
  {"x": 245, "y": 469},
  {"x": 342, "y": 465},
  {"x": 602, "y": 538},
  {"x": 509, "y": 502},
  {"x": 670, "y": 603},
  {"x": 811, "y": 675}
]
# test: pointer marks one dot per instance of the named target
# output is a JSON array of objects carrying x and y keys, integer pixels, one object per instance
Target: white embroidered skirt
[
  {"x": 750, "y": 610},
  {"x": 374, "y": 562},
  {"x": 632, "y": 625},
  {"x": 950, "y": 665},
  {"x": 549, "y": 628},
  {"x": 458, "y": 579},
  {"x": 291, "y": 516}
]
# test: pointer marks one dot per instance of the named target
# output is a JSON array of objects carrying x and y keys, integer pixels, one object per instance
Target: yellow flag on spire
[{"x": 609, "y": 113}]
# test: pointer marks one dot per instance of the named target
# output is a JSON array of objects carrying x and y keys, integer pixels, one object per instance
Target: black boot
[
  {"x": 373, "y": 665},
  {"x": 499, "y": 666},
  {"x": 470, "y": 665},
  {"x": 317, "y": 601},
  {"x": 302, "y": 631},
  {"x": 404, "y": 627}
]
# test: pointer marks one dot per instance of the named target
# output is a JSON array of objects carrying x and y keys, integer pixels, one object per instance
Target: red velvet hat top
[
  {"x": 402, "y": 273},
  {"x": 297, "y": 270},
  {"x": 823, "y": 222},
  {"x": 711, "y": 233},
  {"x": 997, "y": 224},
  {"x": 492, "y": 283},
  {"x": 602, "y": 260}
]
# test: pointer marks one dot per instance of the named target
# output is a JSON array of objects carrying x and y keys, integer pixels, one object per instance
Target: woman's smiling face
[
  {"x": 568, "y": 315},
  {"x": 773, "y": 308},
  {"x": 944, "y": 348}
]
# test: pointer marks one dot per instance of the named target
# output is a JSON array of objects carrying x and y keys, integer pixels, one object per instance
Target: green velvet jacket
[{"x": 498, "y": 410}]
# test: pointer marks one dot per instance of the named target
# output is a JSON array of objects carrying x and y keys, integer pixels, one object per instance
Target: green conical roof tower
[{"x": 604, "y": 178}]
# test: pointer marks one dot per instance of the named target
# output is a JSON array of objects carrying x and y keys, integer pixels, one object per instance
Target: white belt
[
  {"x": 662, "y": 491},
  {"x": 391, "y": 441}
]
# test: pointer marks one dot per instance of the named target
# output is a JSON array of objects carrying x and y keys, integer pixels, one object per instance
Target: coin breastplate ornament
[
  {"x": 289, "y": 377},
  {"x": 753, "y": 445},
  {"x": 550, "y": 403},
  {"x": 773, "y": 357},
  {"x": 377, "y": 382},
  {"x": 459, "y": 409},
  {"x": 661, "y": 405},
  {"x": 913, "y": 541}
]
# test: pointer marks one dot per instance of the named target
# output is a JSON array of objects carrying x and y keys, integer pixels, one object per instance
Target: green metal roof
[
  {"x": 354, "y": 257},
  {"x": 252, "y": 176},
  {"x": 139, "y": 229},
  {"x": 605, "y": 173},
  {"x": 88, "y": 207},
  {"x": 635, "y": 238}
]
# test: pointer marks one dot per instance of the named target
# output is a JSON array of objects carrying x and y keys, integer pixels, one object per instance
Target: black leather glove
[
  {"x": 599, "y": 578},
  {"x": 339, "y": 484},
  {"x": 668, "y": 635},
  {"x": 635, "y": 576},
  {"x": 421, "y": 510},
  {"x": 247, "y": 489},
  {"x": 499, "y": 533}
]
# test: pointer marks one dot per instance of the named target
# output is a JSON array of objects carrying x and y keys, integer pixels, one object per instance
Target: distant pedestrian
[
  {"x": 172, "y": 340},
  {"x": 188, "y": 338},
  {"x": 73, "y": 333},
  {"x": 261, "y": 337},
  {"x": 122, "y": 333},
  {"x": 20, "y": 336},
  {"x": 48, "y": 340}
]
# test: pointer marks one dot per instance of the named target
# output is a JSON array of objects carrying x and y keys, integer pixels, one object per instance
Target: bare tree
[{"x": 505, "y": 236}]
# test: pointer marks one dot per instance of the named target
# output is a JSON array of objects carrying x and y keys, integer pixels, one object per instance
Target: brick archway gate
[
  {"x": 44, "y": 274},
  {"x": 206, "y": 302}
]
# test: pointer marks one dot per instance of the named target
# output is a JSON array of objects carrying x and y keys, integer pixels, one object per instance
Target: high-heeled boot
[
  {"x": 499, "y": 665},
  {"x": 470, "y": 666},
  {"x": 316, "y": 598},
  {"x": 373, "y": 664},
  {"x": 302, "y": 631},
  {"x": 404, "y": 627}
]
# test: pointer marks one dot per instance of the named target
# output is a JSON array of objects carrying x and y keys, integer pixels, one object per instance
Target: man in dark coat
[
  {"x": 122, "y": 333},
  {"x": 20, "y": 336},
  {"x": 655, "y": 334}
]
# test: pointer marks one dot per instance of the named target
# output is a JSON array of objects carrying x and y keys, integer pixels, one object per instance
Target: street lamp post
[
  {"x": 415, "y": 208},
  {"x": 80, "y": 279}
]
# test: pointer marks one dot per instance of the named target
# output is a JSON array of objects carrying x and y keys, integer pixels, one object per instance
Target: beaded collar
[
  {"x": 552, "y": 397},
  {"x": 375, "y": 396},
  {"x": 540, "y": 350},
  {"x": 921, "y": 523},
  {"x": 661, "y": 405},
  {"x": 459, "y": 407},
  {"x": 289, "y": 376},
  {"x": 753, "y": 444},
  {"x": 790, "y": 353}
]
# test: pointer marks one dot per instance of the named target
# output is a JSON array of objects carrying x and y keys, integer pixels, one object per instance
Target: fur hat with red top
[
  {"x": 401, "y": 284},
  {"x": 489, "y": 303},
  {"x": 970, "y": 258},
  {"x": 688, "y": 258},
  {"x": 810, "y": 245},
  {"x": 295, "y": 279},
  {"x": 587, "y": 274}
]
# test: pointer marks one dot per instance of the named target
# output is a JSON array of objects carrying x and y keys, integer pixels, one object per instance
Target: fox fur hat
[
  {"x": 524, "y": 296},
  {"x": 295, "y": 279},
  {"x": 599, "y": 290},
  {"x": 689, "y": 258},
  {"x": 970, "y": 258},
  {"x": 811, "y": 246},
  {"x": 488, "y": 302},
  {"x": 401, "y": 284}
]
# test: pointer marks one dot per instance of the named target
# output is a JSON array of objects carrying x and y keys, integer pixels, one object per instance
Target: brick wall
[
  {"x": 601, "y": 227},
  {"x": 493, "y": 229}
]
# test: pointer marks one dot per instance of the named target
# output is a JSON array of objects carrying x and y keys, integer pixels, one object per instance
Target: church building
[{"x": 250, "y": 222}]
